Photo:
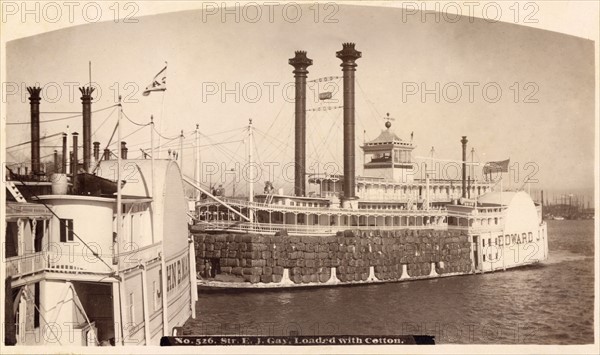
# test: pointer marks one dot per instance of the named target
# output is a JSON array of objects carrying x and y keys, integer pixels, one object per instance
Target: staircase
[{"x": 14, "y": 191}]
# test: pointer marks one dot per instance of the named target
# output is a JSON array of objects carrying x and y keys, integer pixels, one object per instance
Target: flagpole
[
  {"x": 162, "y": 110},
  {"x": 153, "y": 182},
  {"x": 181, "y": 152}
]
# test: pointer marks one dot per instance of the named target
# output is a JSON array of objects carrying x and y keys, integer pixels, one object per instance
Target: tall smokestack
[
  {"x": 300, "y": 62},
  {"x": 64, "y": 154},
  {"x": 96, "y": 151},
  {"x": 123, "y": 150},
  {"x": 75, "y": 160},
  {"x": 86, "y": 101},
  {"x": 464, "y": 166},
  {"x": 34, "y": 102},
  {"x": 349, "y": 55}
]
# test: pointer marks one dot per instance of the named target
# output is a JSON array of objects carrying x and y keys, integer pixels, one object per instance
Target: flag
[
  {"x": 496, "y": 167},
  {"x": 159, "y": 83}
]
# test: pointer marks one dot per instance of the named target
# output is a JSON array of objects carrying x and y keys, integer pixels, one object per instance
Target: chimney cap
[{"x": 348, "y": 53}]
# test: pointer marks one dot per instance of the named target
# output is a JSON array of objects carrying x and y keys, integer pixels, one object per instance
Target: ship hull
[{"x": 356, "y": 257}]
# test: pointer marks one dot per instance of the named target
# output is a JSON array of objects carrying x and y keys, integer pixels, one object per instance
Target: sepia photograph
[{"x": 299, "y": 177}]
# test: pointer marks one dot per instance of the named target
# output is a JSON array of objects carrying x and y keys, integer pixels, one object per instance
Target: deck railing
[
  {"x": 299, "y": 229},
  {"x": 68, "y": 262},
  {"x": 324, "y": 210}
]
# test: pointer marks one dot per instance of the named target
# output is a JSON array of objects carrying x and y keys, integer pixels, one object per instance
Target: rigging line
[
  {"x": 190, "y": 146},
  {"x": 223, "y": 149},
  {"x": 130, "y": 134},
  {"x": 276, "y": 149},
  {"x": 334, "y": 124},
  {"x": 103, "y": 122},
  {"x": 287, "y": 144},
  {"x": 163, "y": 137},
  {"x": 61, "y": 221},
  {"x": 368, "y": 100},
  {"x": 59, "y": 119},
  {"x": 135, "y": 123},
  {"x": 107, "y": 145},
  {"x": 20, "y": 144},
  {"x": 236, "y": 151},
  {"x": 209, "y": 137},
  {"x": 222, "y": 132},
  {"x": 276, "y": 117},
  {"x": 41, "y": 314}
]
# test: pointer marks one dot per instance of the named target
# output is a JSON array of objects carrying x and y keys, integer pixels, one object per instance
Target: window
[
  {"x": 483, "y": 257},
  {"x": 483, "y": 240},
  {"x": 66, "y": 230}
]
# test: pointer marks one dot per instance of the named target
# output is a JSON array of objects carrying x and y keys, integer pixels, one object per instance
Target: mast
[
  {"x": 180, "y": 156},
  {"x": 197, "y": 170},
  {"x": 152, "y": 168},
  {"x": 464, "y": 166},
  {"x": 116, "y": 242},
  {"x": 427, "y": 179},
  {"x": 251, "y": 166}
]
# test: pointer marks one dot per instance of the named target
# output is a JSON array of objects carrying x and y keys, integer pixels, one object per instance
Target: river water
[{"x": 548, "y": 303}]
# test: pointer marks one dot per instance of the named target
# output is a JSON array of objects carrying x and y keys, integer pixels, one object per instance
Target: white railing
[
  {"x": 26, "y": 264},
  {"x": 67, "y": 262},
  {"x": 479, "y": 229},
  {"x": 300, "y": 229},
  {"x": 137, "y": 255},
  {"x": 78, "y": 263},
  {"x": 325, "y": 211}
]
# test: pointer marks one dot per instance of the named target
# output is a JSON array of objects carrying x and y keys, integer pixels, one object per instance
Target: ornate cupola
[{"x": 388, "y": 156}]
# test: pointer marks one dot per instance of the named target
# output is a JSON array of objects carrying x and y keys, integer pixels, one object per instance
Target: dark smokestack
[
  {"x": 464, "y": 166},
  {"x": 74, "y": 161},
  {"x": 123, "y": 150},
  {"x": 56, "y": 164},
  {"x": 300, "y": 62},
  {"x": 542, "y": 198},
  {"x": 86, "y": 100},
  {"x": 349, "y": 55},
  {"x": 34, "y": 102},
  {"x": 96, "y": 151},
  {"x": 106, "y": 154},
  {"x": 65, "y": 153}
]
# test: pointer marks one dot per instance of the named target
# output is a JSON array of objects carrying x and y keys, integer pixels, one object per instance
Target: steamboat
[
  {"x": 385, "y": 226},
  {"x": 97, "y": 253}
]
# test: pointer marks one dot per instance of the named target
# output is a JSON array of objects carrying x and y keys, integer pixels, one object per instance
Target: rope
[
  {"x": 46, "y": 137},
  {"x": 41, "y": 315},
  {"x": 106, "y": 119},
  {"x": 135, "y": 123},
  {"x": 59, "y": 119}
]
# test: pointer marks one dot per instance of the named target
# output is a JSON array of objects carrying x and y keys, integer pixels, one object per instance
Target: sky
[{"x": 543, "y": 120}]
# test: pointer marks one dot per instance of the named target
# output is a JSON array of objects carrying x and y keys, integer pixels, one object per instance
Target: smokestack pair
[
  {"x": 86, "y": 100},
  {"x": 301, "y": 62}
]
